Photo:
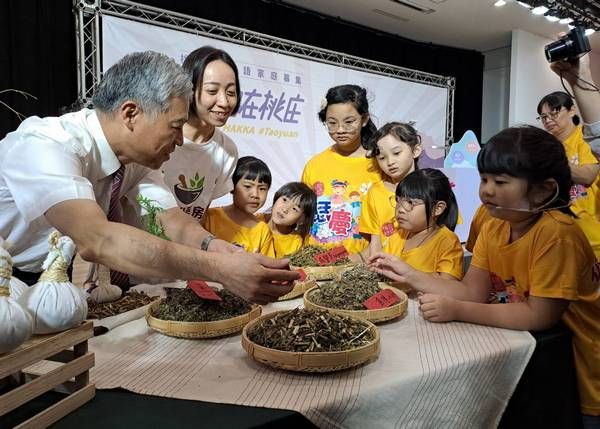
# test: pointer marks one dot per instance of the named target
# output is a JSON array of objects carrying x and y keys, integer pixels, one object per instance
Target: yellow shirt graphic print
[{"x": 340, "y": 183}]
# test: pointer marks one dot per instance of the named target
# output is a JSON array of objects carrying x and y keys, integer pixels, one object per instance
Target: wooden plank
[
  {"x": 22, "y": 394},
  {"x": 41, "y": 347},
  {"x": 63, "y": 356},
  {"x": 60, "y": 409}
]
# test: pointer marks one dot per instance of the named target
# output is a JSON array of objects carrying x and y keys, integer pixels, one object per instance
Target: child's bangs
[{"x": 502, "y": 157}]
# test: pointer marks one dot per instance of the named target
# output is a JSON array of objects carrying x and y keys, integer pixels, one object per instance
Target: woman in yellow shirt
[
  {"x": 396, "y": 147},
  {"x": 291, "y": 217},
  {"x": 341, "y": 175},
  {"x": 531, "y": 256},
  {"x": 236, "y": 223}
]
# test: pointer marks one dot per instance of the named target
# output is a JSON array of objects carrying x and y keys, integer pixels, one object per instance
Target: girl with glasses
[
  {"x": 341, "y": 175},
  {"x": 425, "y": 216},
  {"x": 532, "y": 264}
]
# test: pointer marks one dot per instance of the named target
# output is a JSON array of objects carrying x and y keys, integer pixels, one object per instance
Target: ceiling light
[
  {"x": 499, "y": 3},
  {"x": 566, "y": 21},
  {"x": 540, "y": 10},
  {"x": 589, "y": 31}
]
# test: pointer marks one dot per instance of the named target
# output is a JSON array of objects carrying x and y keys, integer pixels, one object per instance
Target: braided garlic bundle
[
  {"x": 54, "y": 302},
  {"x": 15, "y": 322}
]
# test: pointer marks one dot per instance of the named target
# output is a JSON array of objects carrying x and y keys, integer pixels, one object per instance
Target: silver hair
[{"x": 148, "y": 78}]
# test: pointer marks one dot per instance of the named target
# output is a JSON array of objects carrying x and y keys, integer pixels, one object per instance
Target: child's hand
[
  {"x": 438, "y": 308},
  {"x": 390, "y": 266}
]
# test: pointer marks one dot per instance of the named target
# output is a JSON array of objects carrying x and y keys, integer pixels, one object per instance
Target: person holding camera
[{"x": 576, "y": 70}]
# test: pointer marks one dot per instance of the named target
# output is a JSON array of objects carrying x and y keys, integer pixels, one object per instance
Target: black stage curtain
[{"x": 37, "y": 46}]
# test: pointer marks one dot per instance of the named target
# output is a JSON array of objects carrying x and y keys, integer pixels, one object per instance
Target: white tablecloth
[{"x": 427, "y": 375}]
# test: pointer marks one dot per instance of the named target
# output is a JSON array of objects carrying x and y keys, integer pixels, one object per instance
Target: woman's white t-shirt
[{"x": 198, "y": 173}]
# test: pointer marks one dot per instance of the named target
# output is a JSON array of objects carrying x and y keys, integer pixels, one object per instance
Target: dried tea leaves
[
  {"x": 303, "y": 330},
  {"x": 130, "y": 301},
  {"x": 344, "y": 295},
  {"x": 361, "y": 273},
  {"x": 305, "y": 257},
  {"x": 183, "y": 305}
]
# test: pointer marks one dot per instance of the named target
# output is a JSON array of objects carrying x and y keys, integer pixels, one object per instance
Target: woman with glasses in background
[
  {"x": 559, "y": 117},
  {"x": 341, "y": 175}
]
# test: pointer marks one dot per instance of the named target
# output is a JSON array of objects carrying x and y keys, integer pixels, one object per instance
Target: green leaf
[{"x": 151, "y": 221}]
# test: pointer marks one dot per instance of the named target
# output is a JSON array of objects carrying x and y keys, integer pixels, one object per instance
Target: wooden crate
[{"x": 44, "y": 363}]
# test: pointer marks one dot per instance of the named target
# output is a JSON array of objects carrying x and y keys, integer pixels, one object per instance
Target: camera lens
[{"x": 559, "y": 50}]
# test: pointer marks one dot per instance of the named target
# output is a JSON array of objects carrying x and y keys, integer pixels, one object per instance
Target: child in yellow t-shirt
[
  {"x": 426, "y": 214},
  {"x": 291, "y": 217},
  {"x": 236, "y": 222},
  {"x": 396, "y": 147},
  {"x": 531, "y": 256},
  {"x": 481, "y": 216},
  {"x": 341, "y": 175}
]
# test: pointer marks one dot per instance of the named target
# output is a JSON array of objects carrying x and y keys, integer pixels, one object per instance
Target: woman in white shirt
[{"x": 200, "y": 170}]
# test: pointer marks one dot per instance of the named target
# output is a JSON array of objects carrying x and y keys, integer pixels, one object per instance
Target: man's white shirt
[{"x": 55, "y": 159}]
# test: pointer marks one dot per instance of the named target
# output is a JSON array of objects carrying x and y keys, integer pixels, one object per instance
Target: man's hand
[
  {"x": 254, "y": 277},
  {"x": 222, "y": 246}
]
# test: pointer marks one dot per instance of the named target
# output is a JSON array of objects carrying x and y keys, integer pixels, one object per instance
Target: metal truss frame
[{"x": 89, "y": 62}]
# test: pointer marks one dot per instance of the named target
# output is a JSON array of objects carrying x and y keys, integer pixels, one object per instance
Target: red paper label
[
  {"x": 302, "y": 275},
  {"x": 203, "y": 290},
  {"x": 332, "y": 255},
  {"x": 383, "y": 299}
]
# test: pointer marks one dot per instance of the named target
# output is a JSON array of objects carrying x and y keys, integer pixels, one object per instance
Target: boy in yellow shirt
[{"x": 236, "y": 223}]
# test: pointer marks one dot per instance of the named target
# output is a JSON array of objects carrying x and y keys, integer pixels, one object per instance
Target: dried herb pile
[
  {"x": 183, "y": 305},
  {"x": 305, "y": 257},
  {"x": 361, "y": 273},
  {"x": 344, "y": 295},
  {"x": 130, "y": 301},
  {"x": 303, "y": 330}
]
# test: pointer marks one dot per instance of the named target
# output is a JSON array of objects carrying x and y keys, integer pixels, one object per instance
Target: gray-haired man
[{"x": 73, "y": 172}]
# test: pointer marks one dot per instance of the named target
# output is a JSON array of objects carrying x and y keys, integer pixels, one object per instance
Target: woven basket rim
[
  {"x": 366, "y": 312},
  {"x": 214, "y": 324},
  {"x": 299, "y": 289},
  {"x": 250, "y": 325}
]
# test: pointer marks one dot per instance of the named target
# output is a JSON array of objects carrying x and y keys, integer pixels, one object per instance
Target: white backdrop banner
[{"x": 277, "y": 121}]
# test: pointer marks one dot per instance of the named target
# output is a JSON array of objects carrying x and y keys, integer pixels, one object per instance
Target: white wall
[
  {"x": 530, "y": 77},
  {"x": 496, "y": 92}
]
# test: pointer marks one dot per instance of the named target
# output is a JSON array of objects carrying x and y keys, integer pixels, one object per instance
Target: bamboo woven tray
[
  {"x": 216, "y": 328},
  {"x": 310, "y": 361},
  {"x": 299, "y": 289},
  {"x": 375, "y": 316},
  {"x": 323, "y": 273}
]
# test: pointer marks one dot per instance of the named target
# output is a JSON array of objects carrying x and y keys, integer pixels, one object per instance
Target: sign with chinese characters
[{"x": 281, "y": 94}]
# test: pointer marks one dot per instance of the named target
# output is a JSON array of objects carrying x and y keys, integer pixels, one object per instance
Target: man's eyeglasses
[
  {"x": 348, "y": 125},
  {"x": 544, "y": 117}
]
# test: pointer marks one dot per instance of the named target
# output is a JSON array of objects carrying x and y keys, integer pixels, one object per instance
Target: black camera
[{"x": 569, "y": 47}]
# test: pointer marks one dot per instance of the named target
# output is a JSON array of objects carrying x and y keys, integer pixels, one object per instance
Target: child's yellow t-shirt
[
  {"x": 257, "y": 239},
  {"x": 552, "y": 260},
  {"x": 378, "y": 213},
  {"x": 585, "y": 199},
  {"x": 481, "y": 216},
  {"x": 286, "y": 244},
  {"x": 340, "y": 183},
  {"x": 442, "y": 253}
]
